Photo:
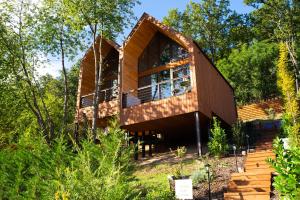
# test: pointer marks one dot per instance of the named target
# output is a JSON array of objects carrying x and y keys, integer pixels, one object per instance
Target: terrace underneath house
[
  {"x": 109, "y": 92},
  {"x": 170, "y": 89}
]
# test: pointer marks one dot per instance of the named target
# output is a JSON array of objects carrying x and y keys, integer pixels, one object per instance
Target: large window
[
  {"x": 160, "y": 51},
  {"x": 164, "y": 84}
]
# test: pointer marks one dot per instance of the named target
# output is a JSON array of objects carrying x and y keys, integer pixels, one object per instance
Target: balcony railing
[
  {"x": 105, "y": 95},
  {"x": 161, "y": 90}
]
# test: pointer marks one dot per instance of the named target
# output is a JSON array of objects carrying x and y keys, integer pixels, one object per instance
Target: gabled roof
[
  {"x": 151, "y": 25},
  {"x": 106, "y": 43},
  {"x": 261, "y": 110},
  {"x": 155, "y": 25}
]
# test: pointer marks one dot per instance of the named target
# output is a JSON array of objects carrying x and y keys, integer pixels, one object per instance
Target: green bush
[
  {"x": 218, "y": 143},
  {"x": 180, "y": 154},
  {"x": 238, "y": 135},
  {"x": 31, "y": 169},
  {"x": 199, "y": 176},
  {"x": 287, "y": 165}
]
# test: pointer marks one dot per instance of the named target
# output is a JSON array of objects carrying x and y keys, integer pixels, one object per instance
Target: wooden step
[
  {"x": 251, "y": 178},
  {"x": 250, "y": 174},
  {"x": 235, "y": 183},
  {"x": 260, "y": 154},
  {"x": 250, "y": 188},
  {"x": 249, "y": 168},
  {"x": 257, "y": 164},
  {"x": 254, "y": 159},
  {"x": 263, "y": 148},
  {"x": 247, "y": 196},
  {"x": 269, "y": 170}
]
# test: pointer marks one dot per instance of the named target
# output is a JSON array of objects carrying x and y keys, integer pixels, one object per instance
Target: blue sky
[{"x": 156, "y": 8}]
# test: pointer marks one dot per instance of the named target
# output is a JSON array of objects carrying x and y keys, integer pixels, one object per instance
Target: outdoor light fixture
[
  {"x": 247, "y": 136},
  {"x": 234, "y": 151},
  {"x": 208, "y": 176}
]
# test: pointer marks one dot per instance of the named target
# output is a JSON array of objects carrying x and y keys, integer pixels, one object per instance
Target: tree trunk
[
  {"x": 66, "y": 88},
  {"x": 98, "y": 71}
]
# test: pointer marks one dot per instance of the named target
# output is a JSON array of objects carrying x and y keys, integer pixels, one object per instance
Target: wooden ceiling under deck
[{"x": 169, "y": 124}]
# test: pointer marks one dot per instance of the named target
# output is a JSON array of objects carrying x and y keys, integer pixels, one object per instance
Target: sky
[{"x": 156, "y": 8}]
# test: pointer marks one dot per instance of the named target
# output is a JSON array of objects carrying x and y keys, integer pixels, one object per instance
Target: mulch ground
[{"x": 222, "y": 168}]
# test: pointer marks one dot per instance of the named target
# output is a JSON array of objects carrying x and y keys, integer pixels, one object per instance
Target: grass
[{"x": 156, "y": 176}]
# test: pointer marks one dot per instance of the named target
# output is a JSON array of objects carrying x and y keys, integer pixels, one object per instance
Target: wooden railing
[
  {"x": 104, "y": 95},
  {"x": 161, "y": 90}
]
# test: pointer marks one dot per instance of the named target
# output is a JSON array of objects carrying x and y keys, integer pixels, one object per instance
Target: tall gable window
[{"x": 160, "y": 51}]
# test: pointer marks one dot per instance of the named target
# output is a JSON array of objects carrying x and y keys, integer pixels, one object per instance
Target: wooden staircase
[{"x": 255, "y": 182}]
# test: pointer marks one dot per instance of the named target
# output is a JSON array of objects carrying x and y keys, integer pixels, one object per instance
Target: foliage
[
  {"x": 287, "y": 165},
  {"x": 159, "y": 193},
  {"x": 251, "y": 70},
  {"x": 291, "y": 108},
  {"x": 218, "y": 143},
  {"x": 212, "y": 24},
  {"x": 180, "y": 153},
  {"x": 31, "y": 169},
  {"x": 278, "y": 20},
  {"x": 199, "y": 176},
  {"x": 106, "y": 18},
  {"x": 238, "y": 134}
]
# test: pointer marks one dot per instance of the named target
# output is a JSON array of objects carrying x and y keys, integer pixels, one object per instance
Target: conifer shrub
[
  {"x": 218, "y": 143},
  {"x": 238, "y": 135},
  {"x": 32, "y": 169}
]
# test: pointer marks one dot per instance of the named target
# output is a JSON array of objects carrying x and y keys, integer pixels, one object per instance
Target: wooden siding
[
  {"x": 106, "y": 109},
  {"x": 215, "y": 95},
  {"x": 133, "y": 47},
  {"x": 172, "y": 106}
]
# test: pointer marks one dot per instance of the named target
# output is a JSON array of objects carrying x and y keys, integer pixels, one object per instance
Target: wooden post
[
  {"x": 150, "y": 143},
  {"x": 136, "y": 147},
  {"x": 143, "y": 145},
  {"x": 198, "y": 133}
]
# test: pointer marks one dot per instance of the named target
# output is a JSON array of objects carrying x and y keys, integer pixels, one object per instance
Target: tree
[
  {"x": 212, "y": 24},
  {"x": 291, "y": 106},
  {"x": 103, "y": 17},
  {"x": 17, "y": 39},
  {"x": 279, "y": 20},
  {"x": 251, "y": 70},
  {"x": 217, "y": 144},
  {"x": 57, "y": 38}
]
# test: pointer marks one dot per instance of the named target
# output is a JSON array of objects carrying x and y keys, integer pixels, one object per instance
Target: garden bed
[{"x": 154, "y": 175}]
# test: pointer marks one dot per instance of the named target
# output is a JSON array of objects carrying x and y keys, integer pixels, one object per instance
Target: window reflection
[
  {"x": 160, "y": 85},
  {"x": 160, "y": 51}
]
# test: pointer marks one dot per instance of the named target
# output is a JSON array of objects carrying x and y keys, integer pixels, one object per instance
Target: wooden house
[
  {"x": 169, "y": 89},
  {"x": 109, "y": 91}
]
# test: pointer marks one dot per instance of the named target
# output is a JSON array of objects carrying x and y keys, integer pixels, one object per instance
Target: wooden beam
[
  {"x": 143, "y": 145},
  {"x": 136, "y": 146},
  {"x": 163, "y": 67}
]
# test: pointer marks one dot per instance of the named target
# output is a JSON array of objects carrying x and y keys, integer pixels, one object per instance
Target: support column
[
  {"x": 143, "y": 145},
  {"x": 136, "y": 147},
  {"x": 198, "y": 133},
  {"x": 150, "y": 143}
]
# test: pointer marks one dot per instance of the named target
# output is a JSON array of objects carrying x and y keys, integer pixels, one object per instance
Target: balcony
[
  {"x": 177, "y": 82},
  {"x": 105, "y": 95}
]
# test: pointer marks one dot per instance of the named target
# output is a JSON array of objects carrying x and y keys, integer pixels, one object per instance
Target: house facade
[{"x": 168, "y": 89}]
